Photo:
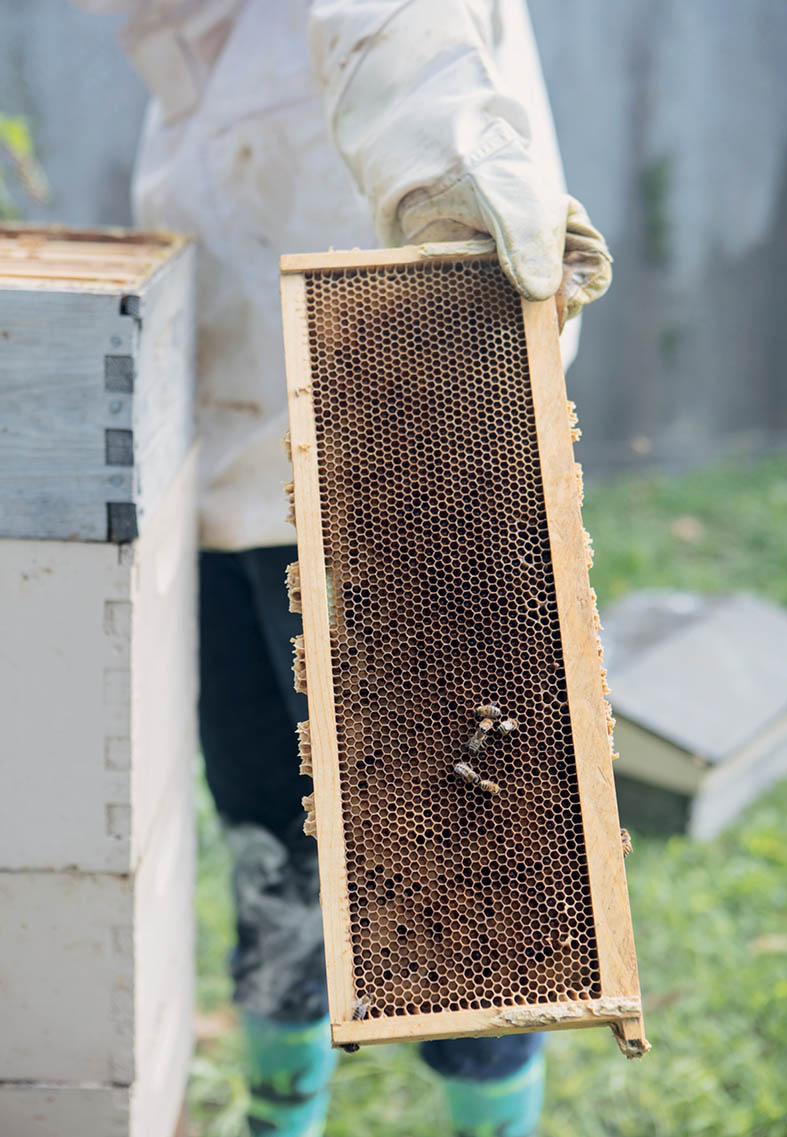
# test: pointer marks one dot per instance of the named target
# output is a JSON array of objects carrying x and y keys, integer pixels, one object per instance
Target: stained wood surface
[
  {"x": 317, "y": 638},
  {"x": 539, "y": 1017},
  {"x": 577, "y": 613},
  {"x": 406, "y": 254},
  {"x": 32, "y": 256}
]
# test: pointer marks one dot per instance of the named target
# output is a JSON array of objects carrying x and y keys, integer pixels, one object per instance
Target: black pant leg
[
  {"x": 248, "y": 711},
  {"x": 246, "y": 721},
  {"x": 481, "y": 1059},
  {"x": 266, "y": 570}
]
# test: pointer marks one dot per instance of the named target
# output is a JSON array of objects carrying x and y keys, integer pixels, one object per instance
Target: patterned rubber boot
[
  {"x": 502, "y": 1107},
  {"x": 289, "y": 1076}
]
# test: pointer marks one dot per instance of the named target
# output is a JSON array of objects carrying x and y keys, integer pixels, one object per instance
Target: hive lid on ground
[
  {"x": 470, "y": 852},
  {"x": 707, "y": 673}
]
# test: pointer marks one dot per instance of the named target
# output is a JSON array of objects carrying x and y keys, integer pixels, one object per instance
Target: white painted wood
[
  {"x": 150, "y": 1107},
  {"x": 163, "y": 742},
  {"x": 157, "y": 1096},
  {"x": 713, "y": 684},
  {"x": 728, "y": 788},
  {"x": 65, "y": 1111},
  {"x": 55, "y": 408},
  {"x": 163, "y": 401},
  {"x": 96, "y": 969},
  {"x": 699, "y": 698},
  {"x": 653, "y": 760},
  {"x": 718, "y": 792},
  {"x": 97, "y": 690}
]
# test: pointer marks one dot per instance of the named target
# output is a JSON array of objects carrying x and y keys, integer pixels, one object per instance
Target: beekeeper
[{"x": 287, "y": 127}]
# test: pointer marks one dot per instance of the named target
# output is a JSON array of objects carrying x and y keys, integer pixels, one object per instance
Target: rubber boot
[
  {"x": 500, "y": 1107},
  {"x": 290, "y": 1068}
]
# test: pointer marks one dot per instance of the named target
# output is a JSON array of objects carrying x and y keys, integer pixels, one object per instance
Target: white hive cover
[{"x": 706, "y": 674}]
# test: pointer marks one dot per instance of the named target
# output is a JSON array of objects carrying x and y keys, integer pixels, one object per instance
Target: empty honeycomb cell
[{"x": 443, "y": 600}]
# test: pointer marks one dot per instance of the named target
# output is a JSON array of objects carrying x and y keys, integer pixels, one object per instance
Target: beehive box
[
  {"x": 96, "y": 974},
  {"x": 99, "y": 690},
  {"x": 36, "y": 1110},
  {"x": 95, "y": 968},
  {"x": 443, "y": 566},
  {"x": 96, "y": 386}
]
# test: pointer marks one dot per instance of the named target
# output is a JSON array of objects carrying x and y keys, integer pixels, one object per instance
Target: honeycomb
[{"x": 442, "y": 599}]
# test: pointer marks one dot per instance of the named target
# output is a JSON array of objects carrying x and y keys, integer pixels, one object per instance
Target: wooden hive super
[
  {"x": 443, "y": 566},
  {"x": 96, "y": 379}
]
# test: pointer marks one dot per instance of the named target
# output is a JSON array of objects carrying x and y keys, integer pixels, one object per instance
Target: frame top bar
[{"x": 435, "y": 251}]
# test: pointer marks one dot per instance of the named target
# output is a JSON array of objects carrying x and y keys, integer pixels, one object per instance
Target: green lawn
[{"x": 710, "y": 920}]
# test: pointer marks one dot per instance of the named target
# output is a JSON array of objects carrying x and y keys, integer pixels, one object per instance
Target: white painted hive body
[{"x": 98, "y": 690}]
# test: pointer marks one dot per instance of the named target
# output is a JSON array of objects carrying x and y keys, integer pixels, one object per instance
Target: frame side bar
[
  {"x": 576, "y": 612},
  {"x": 317, "y": 641}
]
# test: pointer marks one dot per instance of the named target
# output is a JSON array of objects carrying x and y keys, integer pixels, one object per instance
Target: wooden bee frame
[{"x": 443, "y": 566}]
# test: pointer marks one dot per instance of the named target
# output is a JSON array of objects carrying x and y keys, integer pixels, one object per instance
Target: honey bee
[
  {"x": 361, "y": 1008},
  {"x": 491, "y": 719},
  {"x": 482, "y": 732},
  {"x": 473, "y": 778},
  {"x": 625, "y": 840},
  {"x": 490, "y": 711}
]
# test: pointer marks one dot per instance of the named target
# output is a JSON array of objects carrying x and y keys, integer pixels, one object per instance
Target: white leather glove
[
  {"x": 439, "y": 109},
  {"x": 547, "y": 245}
]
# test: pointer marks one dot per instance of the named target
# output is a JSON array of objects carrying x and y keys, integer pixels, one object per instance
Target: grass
[
  {"x": 710, "y": 919},
  {"x": 720, "y": 529}
]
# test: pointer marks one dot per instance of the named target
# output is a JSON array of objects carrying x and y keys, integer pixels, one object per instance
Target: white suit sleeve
[{"x": 439, "y": 109}]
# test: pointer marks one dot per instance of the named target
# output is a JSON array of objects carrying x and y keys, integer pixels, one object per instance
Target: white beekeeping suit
[{"x": 436, "y": 112}]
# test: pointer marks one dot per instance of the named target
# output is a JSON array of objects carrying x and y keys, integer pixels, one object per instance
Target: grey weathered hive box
[
  {"x": 96, "y": 387},
  {"x": 699, "y": 692}
]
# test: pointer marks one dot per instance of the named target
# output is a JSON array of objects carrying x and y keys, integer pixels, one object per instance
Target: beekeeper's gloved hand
[
  {"x": 547, "y": 245},
  {"x": 439, "y": 109}
]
